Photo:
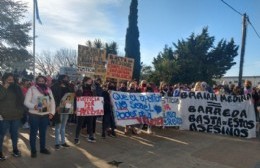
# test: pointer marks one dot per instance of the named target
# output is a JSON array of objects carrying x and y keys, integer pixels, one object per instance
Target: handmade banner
[
  {"x": 86, "y": 71},
  {"x": 137, "y": 108},
  {"x": 90, "y": 106},
  {"x": 92, "y": 58},
  {"x": 172, "y": 116},
  {"x": 67, "y": 103},
  {"x": 225, "y": 114},
  {"x": 119, "y": 67}
]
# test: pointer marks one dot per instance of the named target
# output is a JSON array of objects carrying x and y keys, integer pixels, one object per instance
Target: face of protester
[
  {"x": 88, "y": 82},
  {"x": 247, "y": 85},
  {"x": 41, "y": 82},
  {"x": 122, "y": 85},
  {"x": 65, "y": 80},
  {"x": 27, "y": 84},
  {"x": 132, "y": 86},
  {"x": 9, "y": 80}
]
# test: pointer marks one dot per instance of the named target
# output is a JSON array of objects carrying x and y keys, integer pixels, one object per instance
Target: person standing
[
  {"x": 11, "y": 112},
  {"x": 25, "y": 85},
  {"x": 59, "y": 89},
  {"x": 39, "y": 120},
  {"x": 108, "y": 120},
  {"x": 85, "y": 91},
  {"x": 97, "y": 91}
]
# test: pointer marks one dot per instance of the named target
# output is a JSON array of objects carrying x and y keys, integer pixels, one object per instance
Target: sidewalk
[{"x": 166, "y": 148}]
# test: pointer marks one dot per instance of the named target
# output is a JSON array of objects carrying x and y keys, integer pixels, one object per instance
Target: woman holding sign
[
  {"x": 85, "y": 91},
  {"x": 38, "y": 118},
  {"x": 64, "y": 99}
]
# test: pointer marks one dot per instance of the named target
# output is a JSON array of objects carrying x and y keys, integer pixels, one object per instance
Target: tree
[
  {"x": 48, "y": 63},
  {"x": 196, "y": 59},
  {"x": 65, "y": 57},
  {"x": 111, "y": 48},
  {"x": 146, "y": 72},
  {"x": 166, "y": 67},
  {"x": 45, "y": 63},
  {"x": 14, "y": 36},
  {"x": 132, "y": 44},
  {"x": 98, "y": 44}
]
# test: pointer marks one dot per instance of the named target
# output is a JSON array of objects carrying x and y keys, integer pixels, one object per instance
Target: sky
[{"x": 67, "y": 23}]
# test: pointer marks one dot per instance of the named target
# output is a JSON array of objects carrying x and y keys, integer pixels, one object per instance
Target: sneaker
[
  {"x": 16, "y": 153},
  {"x": 149, "y": 130},
  {"x": 2, "y": 157},
  {"x": 33, "y": 154},
  {"x": 91, "y": 139},
  {"x": 45, "y": 151},
  {"x": 65, "y": 145},
  {"x": 76, "y": 141},
  {"x": 113, "y": 134},
  {"x": 26, "y": 125},
  {"x": 57, "y": 147}
]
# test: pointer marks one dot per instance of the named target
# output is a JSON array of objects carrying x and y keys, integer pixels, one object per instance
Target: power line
[
  {"x": 253, "y": 28},
  {"x": 232, "y": 8},
  {"x": 242, "y": 15}
]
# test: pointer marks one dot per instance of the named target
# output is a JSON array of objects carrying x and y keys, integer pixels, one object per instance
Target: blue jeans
[
  {"x": 40, "y": 123},
  {"x": 60, "y": 129},
  {"x": 13, "y": 126}
]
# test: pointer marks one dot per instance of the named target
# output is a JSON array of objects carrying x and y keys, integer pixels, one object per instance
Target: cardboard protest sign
[
  {"x": 137, "y": 108},
  {"x": 172, "y": 116},
  {"x": 226, "y": 114},
  {"x": 90, "y": 106},
  {"x": 43, "y": 104},
  {"x": 95, "y": 58},
  {"x": 67, "y": 103},
  {"x": 119, "y": 67},
  {"x": 84, "y": 70}
]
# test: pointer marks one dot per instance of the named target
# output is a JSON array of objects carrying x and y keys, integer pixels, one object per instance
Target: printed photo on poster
[
  {"x": 43, "y": 104},
  {"x": 67, "y": 103}
]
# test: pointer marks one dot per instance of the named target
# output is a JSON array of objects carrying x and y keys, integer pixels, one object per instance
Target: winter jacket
[
  {"x": 31, "y": 99},
  {"x": 9, "y": 109}
]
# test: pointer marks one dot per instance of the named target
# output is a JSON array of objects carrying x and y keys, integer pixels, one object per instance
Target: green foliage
[
  {"x": 14, "y": 36},
  {"x": 195, "y": 59},
  {"x": 132, "y": 44},
  {"x": 111, "y": 48}
]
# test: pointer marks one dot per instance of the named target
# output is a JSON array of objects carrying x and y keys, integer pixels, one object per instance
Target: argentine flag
[{"x": 37, "y": 12}]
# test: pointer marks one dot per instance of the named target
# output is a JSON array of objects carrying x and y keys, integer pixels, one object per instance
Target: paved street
[{"x": 166, "y": 148}]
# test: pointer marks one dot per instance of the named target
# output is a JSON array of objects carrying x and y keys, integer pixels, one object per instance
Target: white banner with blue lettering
[
  {"x": 225, "y": 114},
  {"x": 137, "y": 108},
  {"x": 172, "y": 116}
]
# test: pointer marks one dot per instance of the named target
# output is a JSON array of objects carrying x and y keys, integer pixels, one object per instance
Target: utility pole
[
  {"x": 242, "y": 53},
  {"x": 34, "y": 39}
]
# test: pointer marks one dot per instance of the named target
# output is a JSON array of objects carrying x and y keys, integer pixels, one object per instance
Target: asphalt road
[{"x": 165, "y": 148}]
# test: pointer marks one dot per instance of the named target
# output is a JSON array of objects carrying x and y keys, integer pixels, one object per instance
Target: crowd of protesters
[{"x": 19, "y": 102}]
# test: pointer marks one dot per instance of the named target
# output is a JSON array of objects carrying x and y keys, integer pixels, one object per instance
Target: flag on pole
[{"x": 37, "y": 12}]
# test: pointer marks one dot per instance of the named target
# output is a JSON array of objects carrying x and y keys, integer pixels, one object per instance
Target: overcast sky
[{"x": 67, "y": 23}]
